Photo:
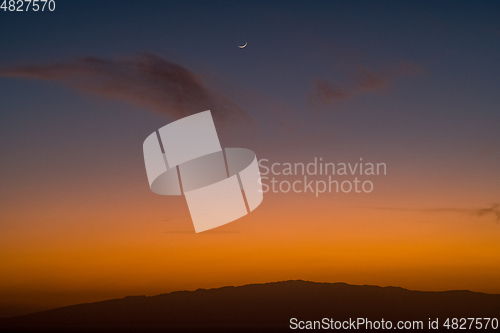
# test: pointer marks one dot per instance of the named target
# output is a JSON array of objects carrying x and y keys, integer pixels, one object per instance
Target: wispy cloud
[
  {"x": 147, "y": 81},
  {"x": 363, "y": 81},
  {"x": 494, "y": 209}
]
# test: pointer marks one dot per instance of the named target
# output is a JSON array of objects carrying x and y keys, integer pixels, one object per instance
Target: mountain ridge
[{"x": 265, "y": 305}]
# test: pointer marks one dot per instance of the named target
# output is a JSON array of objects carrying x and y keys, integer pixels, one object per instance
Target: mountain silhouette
[{"x": 267, "y": 307}]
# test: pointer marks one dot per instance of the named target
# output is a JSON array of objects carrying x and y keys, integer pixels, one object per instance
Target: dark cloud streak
[
  {"x": 148, "y": 81},
  {"x": 364, "y": 80},
  {"x": 494, "y": 209}
]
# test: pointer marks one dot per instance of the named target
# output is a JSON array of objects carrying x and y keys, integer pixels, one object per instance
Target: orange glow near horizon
[{"x": 151, "y": 248}]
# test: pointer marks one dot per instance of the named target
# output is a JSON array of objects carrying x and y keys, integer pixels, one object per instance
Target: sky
[{"x": 411, "y": 85}]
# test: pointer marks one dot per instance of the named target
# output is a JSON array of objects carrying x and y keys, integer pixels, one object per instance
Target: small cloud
[
  {"x": 147, "y": 81},
  {"x": 492, "y": 210},
  {"x": 364, "y": 80}
]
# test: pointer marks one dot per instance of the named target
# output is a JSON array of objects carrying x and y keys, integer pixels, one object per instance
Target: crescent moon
[{"x": 242, "y": 46}]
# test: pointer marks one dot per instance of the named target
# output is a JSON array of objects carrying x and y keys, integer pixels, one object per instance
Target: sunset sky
[{"x": 414, "y": 86}]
